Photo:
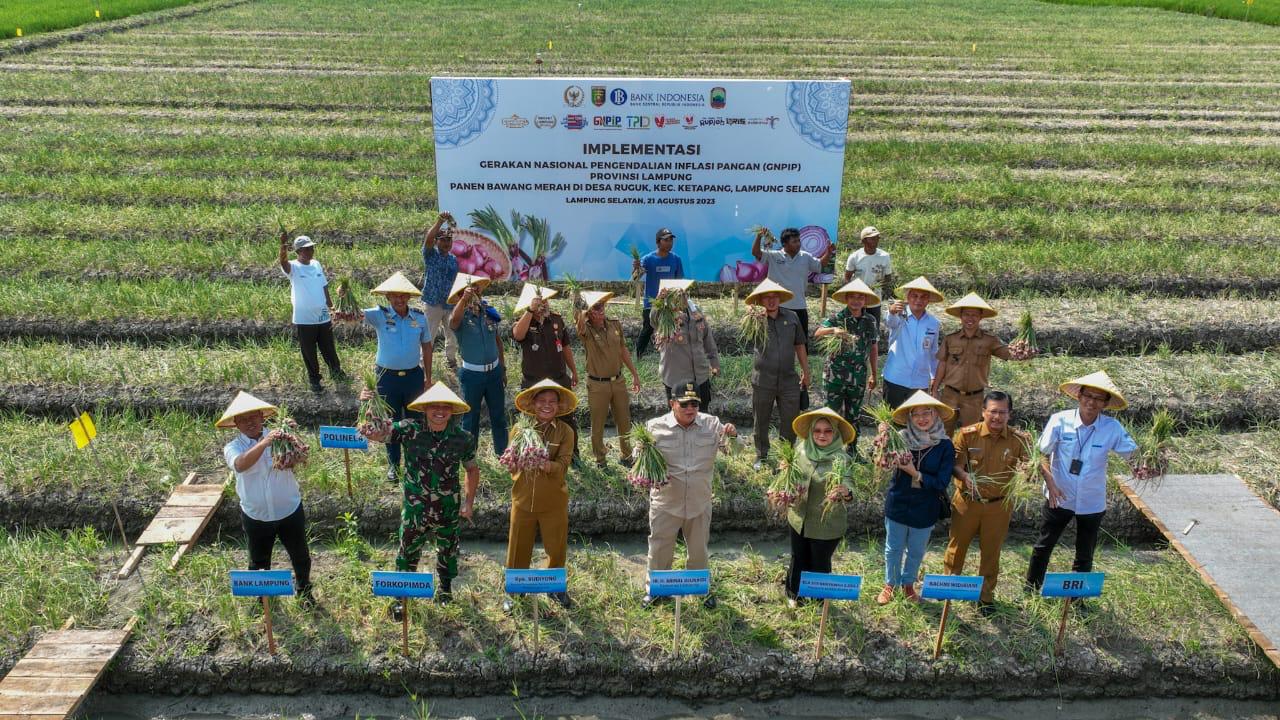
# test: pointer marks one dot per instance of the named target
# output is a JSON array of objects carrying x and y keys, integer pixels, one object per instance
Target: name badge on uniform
[
  {"x": 413, "y": 323},
  {"x": 534, "y": 347}
]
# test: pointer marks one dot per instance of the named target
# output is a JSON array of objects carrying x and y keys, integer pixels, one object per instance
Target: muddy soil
[{"x": 1097, "y": 338}]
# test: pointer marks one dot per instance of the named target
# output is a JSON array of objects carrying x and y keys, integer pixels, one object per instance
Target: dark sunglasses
[{"x": 687, "y": 403}]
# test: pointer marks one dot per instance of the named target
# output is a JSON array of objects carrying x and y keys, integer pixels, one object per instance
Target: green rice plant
[
  {"x": 37, "y": 16},
  {"x": 50, "y": 577}
]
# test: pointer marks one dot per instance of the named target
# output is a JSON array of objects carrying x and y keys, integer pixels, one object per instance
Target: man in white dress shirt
[
  {"x": 1076, "y": 444},
  {"x": 270, "y": 501}
]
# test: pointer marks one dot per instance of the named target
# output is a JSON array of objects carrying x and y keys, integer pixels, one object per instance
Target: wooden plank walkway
[
  {"x": 180, "y": 520},
  {"x": 1231, "y": 537},
  {"x": 51, "y": 680}
]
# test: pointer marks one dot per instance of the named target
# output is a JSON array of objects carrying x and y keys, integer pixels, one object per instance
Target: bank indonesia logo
[
  {"x": 573, "y": 96},
  {"x": 461, "y": 109},
  {"x": 618, "y": 96},
  {"x": 819, "y": 113},
  {"x": 718, "y": 98},
  {"x": 597, "y": 95},
  {"x": 574, "y": 122}
]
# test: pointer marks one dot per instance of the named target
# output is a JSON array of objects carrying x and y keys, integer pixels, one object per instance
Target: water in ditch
[{"x": 101, "y": 706}]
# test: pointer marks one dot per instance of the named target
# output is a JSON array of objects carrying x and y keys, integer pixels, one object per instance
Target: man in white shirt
[
  {"x": 913, "y": 342},
  {"x": 1076, "y": 444},
  {"x": 872, "y": 266},
  {"x": 688, "y": 440},
  {"x": 312, "y": 308},
  {"x": 790, "y": 267},
  {"x": 270, "y": 501}
]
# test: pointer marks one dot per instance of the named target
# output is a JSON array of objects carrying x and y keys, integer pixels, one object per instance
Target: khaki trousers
[
  {"x": 603, "y": 397},
  {"x": 787, "y": 398},
  {"x": 525, "y": 526},
  {"x": 663, "y": 527},
  {"x": 990, "y": 522},
  {"x": 968, "y": 408},
  {"x": 438, "y": 322}
]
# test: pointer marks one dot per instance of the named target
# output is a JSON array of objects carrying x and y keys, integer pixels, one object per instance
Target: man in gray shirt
[
  {"x": 773, "y": 373},
  {"x": 690, "y": 356},
  {"x": 790, "y": 267}
]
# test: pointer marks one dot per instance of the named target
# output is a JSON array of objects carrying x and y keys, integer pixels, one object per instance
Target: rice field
[{"x": 1113, "y": 171}]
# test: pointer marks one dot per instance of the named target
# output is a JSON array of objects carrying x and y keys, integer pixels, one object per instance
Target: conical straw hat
[
  {"x": 920, "y": 283},
  {"x": 241, "y": 404},
  {"x": 461, "y": 282},
  {"x": 529, "y": 292},
  {"x": 804, "y": 421},
  {"x": 765, "y": 287},
  {"x": 1098, "y": 381},
  {"x": 673, "y": 284},
  {"x": 922, "y": 399},
  {"x": 568, "y": 401},
  {"x": 595, "y": 297},
  {"x": 971, "y": 301},
  {"x": 857, "y": 287},
  {"x": 439, "y": 393},
  {"x": 397, "y": 283}
]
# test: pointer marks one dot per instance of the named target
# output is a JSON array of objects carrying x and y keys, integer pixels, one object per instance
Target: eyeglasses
[
  {"x": 1095, "y": 398},
  {"x": 687, "y": 403}
]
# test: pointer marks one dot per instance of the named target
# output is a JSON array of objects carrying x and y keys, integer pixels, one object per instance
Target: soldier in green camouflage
[
  {"x": 434, "y": 501},
  {"x": 851, "y": 371}
]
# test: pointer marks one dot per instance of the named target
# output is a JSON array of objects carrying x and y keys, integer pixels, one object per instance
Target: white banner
[{"x": 553, "y": 175}]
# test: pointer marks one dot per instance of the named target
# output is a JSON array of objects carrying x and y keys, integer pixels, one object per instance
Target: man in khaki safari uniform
[
  {"x": 964, "y": 361},
  {"x": 601, "y": 338}
]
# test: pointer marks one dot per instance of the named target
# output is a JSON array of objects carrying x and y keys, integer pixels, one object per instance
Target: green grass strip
[
  {"x": 37, "y": 16},
  {"x": 1266, "y": 12}
]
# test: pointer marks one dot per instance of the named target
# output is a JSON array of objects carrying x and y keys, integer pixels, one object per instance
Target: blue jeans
[
  {"x": 897, "y": 539},
  {"x": 488, "y": 387},
  {"x": 398, "y": 391}
]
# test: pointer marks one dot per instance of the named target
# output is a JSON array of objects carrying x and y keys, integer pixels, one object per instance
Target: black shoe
[
  {"x": 395, "y": 611},
  {"x": 649, "y": 601},
  {"x": 987, "y": 609},
  {"x": 602, "y": 464},
  {"x": 339, "y": 377},
  {"x": 444, "y": 595},
  {"x": 576, "y": 463},
  {"x": 393, "y": 476},
  {"x": 563, "y": 598},
  {"x": 710, "y": 602},
  {"x": 306, "y": 598},
  {"x": 317, "y": 387}
]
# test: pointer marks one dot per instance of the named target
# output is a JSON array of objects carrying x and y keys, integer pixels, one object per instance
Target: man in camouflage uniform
[
  {"x": 433, "y": 502},
  {"x": 851, "y": 372}
]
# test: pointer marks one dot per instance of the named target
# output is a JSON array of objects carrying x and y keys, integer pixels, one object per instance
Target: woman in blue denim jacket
[{"x": 915, "y": 498}]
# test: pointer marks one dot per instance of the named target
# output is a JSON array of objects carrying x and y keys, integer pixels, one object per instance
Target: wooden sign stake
[
  {"x": 271, "y": 638},
  {"x": 675, "y": 643},
  {"x": 822, "y": 628},
  {"x": 404, "y": 628},
  {"x": 346, "y": 459},
  {"x": 942, "y": 627},
  {"x": 536, "y": 643},
  {"x": 1062, "y": 626},
  {"x": 824, "y": 300}
]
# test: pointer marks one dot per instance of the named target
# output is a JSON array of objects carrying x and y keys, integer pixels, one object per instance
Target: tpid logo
[{"x": 638, "y": 122}]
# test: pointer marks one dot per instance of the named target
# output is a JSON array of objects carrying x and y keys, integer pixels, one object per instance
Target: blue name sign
[
  {"x": 404, "y": 584},
  {"x": 260, "y": 583},
  {"x": 527, "y": 582},
  {"x": 825, "y": 586},
  {"x": 670, "y": 583},
  {"x": 342, "y": 438},
  {"x": 951, "y": 587},
  {"x": 1072, "y": 585}
]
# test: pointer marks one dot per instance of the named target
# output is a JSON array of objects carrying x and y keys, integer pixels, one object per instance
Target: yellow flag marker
[
  {"x": 83, "y": 430},
  {"x": 97, "y": 13},
  {"x": 974, "y": 48},
  {"x": 19, "y": 32},
  {"x": 549, "y": 45}
]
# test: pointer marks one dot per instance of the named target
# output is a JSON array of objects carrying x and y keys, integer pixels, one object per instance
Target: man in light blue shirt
[
  {"x": 483, "y": 375},
  {"x": 1076, "y": 444},
  {"x": 403, "y": 362},
  {"x": 270, "y": 501},
  {"x": 913, "y": 342},
  {"x": 659, "y": 265}
]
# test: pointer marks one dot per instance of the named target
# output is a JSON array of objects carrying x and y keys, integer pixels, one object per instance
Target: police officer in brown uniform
[
  {"x": 774, "y": 381},
  {"x": 986, "y": 454},
  {"x": 964, "y": 361},
  {"x": 607, "y": 353},
  {"x": 544, "y": 346}
]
